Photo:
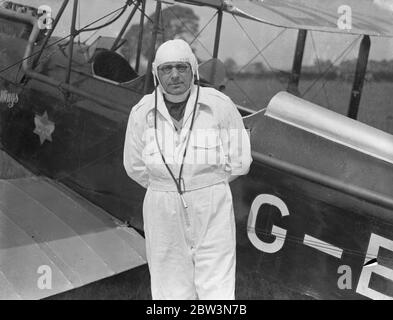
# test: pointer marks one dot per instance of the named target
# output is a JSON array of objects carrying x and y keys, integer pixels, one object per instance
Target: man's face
[{"x": 175, "y": 77}]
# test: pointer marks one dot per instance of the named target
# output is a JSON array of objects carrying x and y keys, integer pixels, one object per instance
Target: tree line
[{"x": 376, "y": 70}]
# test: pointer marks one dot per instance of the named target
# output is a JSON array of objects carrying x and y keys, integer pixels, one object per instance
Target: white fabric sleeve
[
  {"x": 132, "y": 156},
  {"x": 238, "y": 148}
]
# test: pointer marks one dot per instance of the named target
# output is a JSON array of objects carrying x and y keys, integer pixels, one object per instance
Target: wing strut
[
  {"x": 125, "y": 26},
  {"x": 71, "y": 45},
  {"x": 218, "y": 33},
  {"x": 297, "y": 63},
  {"x": 140, "y": 38},
  {"x": 152, "y": 51},
  {"x": 50, "y": 32},
  {"x": 361, "y": 68}
]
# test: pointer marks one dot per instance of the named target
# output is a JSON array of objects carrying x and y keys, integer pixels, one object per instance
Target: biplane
[{"x": 314, "y": 214}]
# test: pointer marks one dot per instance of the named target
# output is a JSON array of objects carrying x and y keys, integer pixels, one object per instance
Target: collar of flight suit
[{"x": 161, "y": 107}]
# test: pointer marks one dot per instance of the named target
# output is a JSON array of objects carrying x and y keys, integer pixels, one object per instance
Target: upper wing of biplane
[{"x": 368, "y": 17}]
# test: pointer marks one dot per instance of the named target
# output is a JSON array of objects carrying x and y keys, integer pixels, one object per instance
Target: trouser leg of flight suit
[
  {"x": 191, "y": 253},
  {"x": 215, "y": 253}
]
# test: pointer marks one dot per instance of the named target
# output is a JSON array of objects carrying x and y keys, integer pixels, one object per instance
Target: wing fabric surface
[
  {"x": 48, "y": 230},
  {"x": 371, "y": 17}
]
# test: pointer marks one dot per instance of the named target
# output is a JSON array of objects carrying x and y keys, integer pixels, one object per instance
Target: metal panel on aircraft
[{"x": 330, "y": 125}]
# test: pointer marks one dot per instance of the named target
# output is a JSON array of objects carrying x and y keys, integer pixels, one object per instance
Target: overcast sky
[{"x": 234, "y": 42}]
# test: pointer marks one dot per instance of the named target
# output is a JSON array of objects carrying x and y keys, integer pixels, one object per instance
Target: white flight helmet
[{"x": 176, "y": 50}]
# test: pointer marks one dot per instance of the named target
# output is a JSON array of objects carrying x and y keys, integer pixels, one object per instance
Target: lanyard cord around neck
[{"x": 177, "y": 182}]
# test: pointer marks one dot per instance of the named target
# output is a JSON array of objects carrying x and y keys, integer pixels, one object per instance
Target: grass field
[{"x": 376, "y": 107}]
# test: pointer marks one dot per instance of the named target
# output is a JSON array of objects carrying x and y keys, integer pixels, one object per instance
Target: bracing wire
[
  {"x": 260, "y": 51},
  {"x": 243, "y": 92},
  {"x": 59, "y": 40},
  {"x": 145, "y": 15},
  {"x": 123, "y": 9},
  {"x": 256, "y": 47},
  {"x": 341, "y": 55},
  {"x": 252, "y": 59},
  {"x": 205, "y": 26},
  {"x": 190, "y": 31},
  {"x": 319, "y": 69}
]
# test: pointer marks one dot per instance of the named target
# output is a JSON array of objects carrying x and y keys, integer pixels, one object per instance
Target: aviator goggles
[{"x": 180, "y": 67}]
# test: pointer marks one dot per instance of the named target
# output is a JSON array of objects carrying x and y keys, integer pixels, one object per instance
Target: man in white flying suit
[{"x": 185, "y": 143}]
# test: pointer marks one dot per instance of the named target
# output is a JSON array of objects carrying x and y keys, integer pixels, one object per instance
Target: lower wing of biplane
[{"x": 53, "y": 240}]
